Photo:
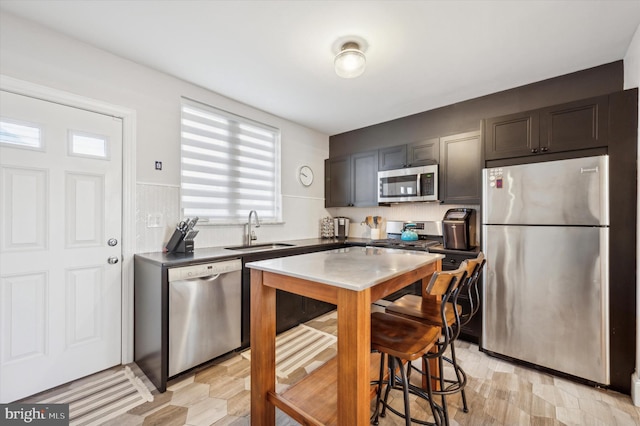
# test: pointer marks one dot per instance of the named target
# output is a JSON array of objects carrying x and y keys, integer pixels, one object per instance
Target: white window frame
[{"x": 195, "y": 160}]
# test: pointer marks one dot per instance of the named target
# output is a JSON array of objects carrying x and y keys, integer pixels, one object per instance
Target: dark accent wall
[
  {"x": 465, "y": 116},
  {"x": 623, "y": 154},
  {"x": 622, "y": 149}
]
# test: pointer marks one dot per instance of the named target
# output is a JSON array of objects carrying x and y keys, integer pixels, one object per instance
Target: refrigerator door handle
[{"x": 589, "y": 170}]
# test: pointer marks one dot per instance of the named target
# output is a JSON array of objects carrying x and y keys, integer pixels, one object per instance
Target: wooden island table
[{"x": 351, "y": 278}]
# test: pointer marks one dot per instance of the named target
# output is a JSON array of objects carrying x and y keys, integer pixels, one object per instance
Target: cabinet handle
[
  {"x": 544, "y": 149},
  {"x": 534, "y": 150}
]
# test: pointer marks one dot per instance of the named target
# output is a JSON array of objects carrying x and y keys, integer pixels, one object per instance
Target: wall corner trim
[{"x": 635, "y": 389}]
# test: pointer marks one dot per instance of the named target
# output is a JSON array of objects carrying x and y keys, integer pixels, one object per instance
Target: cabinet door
[
  {"x": 364, "y": 179},
  {"x": 314, "y": 308},
  {"x": 289, "y": 310},
  {"x": 337, "y": 186},
  {"x": 394, "y": 157},
  {"x": 576, "y": 125},
  {"x": 513, "y": 135},
  {"x": 423, "y": 152},
  {"x": 461, "y": 168}
]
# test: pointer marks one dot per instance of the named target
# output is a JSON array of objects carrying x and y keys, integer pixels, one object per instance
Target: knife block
[
  {"x": 185, "y": 246},
  {"x": 175, "y": 241}
]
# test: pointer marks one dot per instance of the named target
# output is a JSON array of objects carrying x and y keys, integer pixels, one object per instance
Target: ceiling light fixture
[{"x": 350, "y": 62}]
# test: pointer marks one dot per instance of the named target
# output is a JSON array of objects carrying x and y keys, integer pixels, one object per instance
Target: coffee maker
[
  {"x": 459, "y": 229},
  {"x": 341, "y": 227}
]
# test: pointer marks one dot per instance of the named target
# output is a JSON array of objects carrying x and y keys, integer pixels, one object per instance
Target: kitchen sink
[{"x": 260, "y": 247}]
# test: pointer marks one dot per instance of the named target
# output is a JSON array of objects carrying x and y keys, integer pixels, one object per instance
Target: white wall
[
  {"x": 631, "y": 80},
  {"x": 33, "y": 53},
  {"x": 401, "y": 212}
]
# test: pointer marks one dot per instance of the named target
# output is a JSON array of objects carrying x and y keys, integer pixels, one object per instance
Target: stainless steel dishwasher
[{"x": 204, "y": 312}]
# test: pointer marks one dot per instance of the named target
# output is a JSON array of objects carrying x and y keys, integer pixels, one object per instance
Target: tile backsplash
[{"x": 158, "y": 212}]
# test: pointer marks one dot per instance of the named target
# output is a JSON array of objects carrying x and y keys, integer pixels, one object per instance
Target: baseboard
[{"x": 635, "y": 389}]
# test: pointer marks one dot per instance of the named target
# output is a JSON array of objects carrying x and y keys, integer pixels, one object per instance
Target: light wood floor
[{"x": 498, "y": 393}]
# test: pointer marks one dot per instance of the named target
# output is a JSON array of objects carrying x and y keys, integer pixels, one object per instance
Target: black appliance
[{"x": 459, "y": 229}]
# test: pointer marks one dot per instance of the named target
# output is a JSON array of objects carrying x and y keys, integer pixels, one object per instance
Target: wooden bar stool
[
  {"x": 404, "y": 340},
  {"x": 438, "y": 306}
]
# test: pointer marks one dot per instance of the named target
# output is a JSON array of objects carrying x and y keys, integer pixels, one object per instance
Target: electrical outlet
[
  {"x": 158, "y": 165},
  {"x": 154, "y": 220}
]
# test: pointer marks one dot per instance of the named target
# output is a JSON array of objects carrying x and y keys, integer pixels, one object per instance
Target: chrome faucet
[{"x": 251, "y": 235}]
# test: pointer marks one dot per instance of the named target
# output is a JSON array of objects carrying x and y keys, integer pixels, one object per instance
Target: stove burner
[{"x": 407, "y": 245}]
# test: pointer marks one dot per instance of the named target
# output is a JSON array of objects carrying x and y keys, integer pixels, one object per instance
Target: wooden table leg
[
  {"x": 354, "y": 348},
  {"x": 434, "y": 370},
  {"x": 263, "y": 350}
]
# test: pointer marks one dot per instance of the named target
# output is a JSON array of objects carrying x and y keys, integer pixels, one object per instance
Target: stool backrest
[
  {"x": 443, "y": 287},
  {"x": 474, "y": 270},
  {"x": 444, "y": 283}
]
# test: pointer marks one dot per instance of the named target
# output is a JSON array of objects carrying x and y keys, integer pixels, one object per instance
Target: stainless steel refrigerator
[{"x": 546, "y": 240}]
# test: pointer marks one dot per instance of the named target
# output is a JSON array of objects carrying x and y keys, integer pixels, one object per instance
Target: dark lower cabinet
[{"x": 291, "y": 309}]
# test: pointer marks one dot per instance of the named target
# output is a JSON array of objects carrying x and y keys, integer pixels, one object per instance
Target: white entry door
[{"x": 60, "y": 248}]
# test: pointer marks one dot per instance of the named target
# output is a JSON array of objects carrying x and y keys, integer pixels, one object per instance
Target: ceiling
[{"x": 278, "y": 55}]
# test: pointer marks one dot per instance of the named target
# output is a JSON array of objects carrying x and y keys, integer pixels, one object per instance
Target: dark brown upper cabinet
[
  {"x": 461, "y": 168},
  {"x": 337, "y": 185},
  {"x": 567, "y": 127},
  {"x": 409, "y": 155},
  {"x": 352, "y": 180}
]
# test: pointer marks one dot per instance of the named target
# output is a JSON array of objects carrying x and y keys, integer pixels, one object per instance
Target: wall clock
[{"x": 305, "y": 175}]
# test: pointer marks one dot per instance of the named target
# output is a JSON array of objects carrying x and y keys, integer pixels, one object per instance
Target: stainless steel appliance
[
  {"x": 408, "y": 184},
  {"x": 546, "y": 239},
  {"x": 459, "y": 229},
  {"x": 429, "y": 234},
  {"x": 204, "y": 313},
  {"x": 341, "y": 227}
]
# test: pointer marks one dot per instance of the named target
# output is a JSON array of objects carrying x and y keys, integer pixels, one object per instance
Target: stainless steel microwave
[{"x": 409, "y": 184}]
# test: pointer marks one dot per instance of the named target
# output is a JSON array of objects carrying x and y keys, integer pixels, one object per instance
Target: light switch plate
[{"x": 154, "y": 220}]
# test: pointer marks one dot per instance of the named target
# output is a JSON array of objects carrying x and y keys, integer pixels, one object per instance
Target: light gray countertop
[
  {"x": 353, "y": 268},
  {"x": 212, "y": 254}
]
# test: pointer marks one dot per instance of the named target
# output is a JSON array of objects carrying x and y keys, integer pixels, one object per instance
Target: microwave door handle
[{"x": 418, "y": 189}]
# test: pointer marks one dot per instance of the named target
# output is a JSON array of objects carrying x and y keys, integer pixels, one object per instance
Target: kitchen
[{"x": 82, "y": 69}]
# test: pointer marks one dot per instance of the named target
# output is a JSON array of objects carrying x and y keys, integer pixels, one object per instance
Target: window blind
[{"x": 230, "y": 166}]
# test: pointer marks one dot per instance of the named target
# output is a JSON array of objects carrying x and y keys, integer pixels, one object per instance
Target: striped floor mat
[
  {"x": 297, "y": 347},
  {"x": 103, "y": 399}
]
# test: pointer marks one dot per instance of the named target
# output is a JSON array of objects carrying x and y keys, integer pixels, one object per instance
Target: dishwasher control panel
[{"x": 204, "y": 270}]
